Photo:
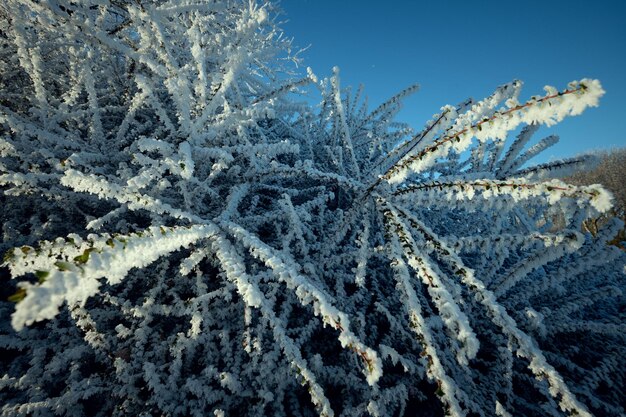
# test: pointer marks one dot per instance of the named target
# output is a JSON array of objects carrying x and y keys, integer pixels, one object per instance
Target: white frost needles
[{"x": 256, "y": 255}]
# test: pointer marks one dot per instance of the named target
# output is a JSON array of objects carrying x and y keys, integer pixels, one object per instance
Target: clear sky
[{"x": 461, "y": 49}]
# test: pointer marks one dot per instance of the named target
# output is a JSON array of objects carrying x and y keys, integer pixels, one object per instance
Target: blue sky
[{"x": 461, "y": 49}]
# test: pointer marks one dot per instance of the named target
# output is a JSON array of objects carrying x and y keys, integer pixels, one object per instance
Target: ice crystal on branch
[{"x": 184, "y": 237}]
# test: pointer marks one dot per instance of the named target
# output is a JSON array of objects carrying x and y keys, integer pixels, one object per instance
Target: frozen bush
[{"x": 183, "y": 237}]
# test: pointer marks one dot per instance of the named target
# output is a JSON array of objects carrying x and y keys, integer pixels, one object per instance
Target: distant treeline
[{"x": 611, "y": 173}]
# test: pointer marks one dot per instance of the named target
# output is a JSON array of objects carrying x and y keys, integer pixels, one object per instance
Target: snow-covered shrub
[{"x": 184, "y": 238}]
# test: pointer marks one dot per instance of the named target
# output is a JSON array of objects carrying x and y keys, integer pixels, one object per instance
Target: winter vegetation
[
  {"x": 185, "y": 236},
  {"x": 609, "y": 172}
]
